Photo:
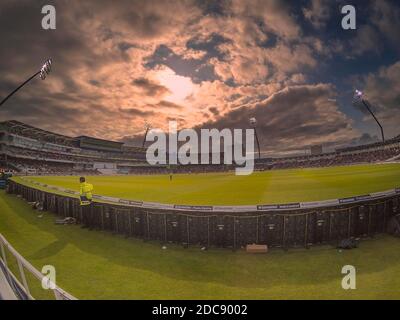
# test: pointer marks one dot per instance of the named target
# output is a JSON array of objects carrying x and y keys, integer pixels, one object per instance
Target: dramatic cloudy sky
[{"x": 118, "y": 64}]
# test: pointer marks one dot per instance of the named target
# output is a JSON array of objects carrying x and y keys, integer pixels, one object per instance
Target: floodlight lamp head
[
  {"x": 358, "y": 94},
  {"x": 46, "y": 69}
]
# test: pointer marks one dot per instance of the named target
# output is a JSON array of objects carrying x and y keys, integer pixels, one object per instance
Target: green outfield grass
[
  {"x": 280, "y": 186},
  {"x": 98, "y": 265}
]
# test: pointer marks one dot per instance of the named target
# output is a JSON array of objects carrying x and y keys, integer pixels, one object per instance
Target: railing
[{"x": 21, "y": 288}]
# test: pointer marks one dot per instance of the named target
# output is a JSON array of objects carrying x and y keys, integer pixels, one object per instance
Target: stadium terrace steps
[{"x": 35, "y": 151}]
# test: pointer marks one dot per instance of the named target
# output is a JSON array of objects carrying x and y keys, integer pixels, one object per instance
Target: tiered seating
[{"x": 32, "y": 150}]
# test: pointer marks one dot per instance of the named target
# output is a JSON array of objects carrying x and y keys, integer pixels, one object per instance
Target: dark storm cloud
[
  {"x": 318, "y": 12},
  {"x": 212, "y": 7},
  {"x": 62, "y": 102},
  {"x": 95, "y": 83},
  {"x": 28, "y": 46},
  {"x": 187, "y": 64},
  {"x": 136, "y": 112},
  {"x": 123, "y": 46},
  {"x": 293, "y": 119},
  {"x": 166, "y": 104},
  {"x": 386, "y": 17},
  {"x": 239, "y": 59},
  {"x": 149, "y": 87},
  {"x": 382, "y": 91},
  {"x": 214, "y": 110},
  {"x": 378, "y": 30},
  {"x": 366, "y": 138}
]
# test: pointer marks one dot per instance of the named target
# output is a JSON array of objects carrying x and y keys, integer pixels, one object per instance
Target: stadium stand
[
  {"x": 28, "y": 150},
  {"x": 373, "y": 153}
]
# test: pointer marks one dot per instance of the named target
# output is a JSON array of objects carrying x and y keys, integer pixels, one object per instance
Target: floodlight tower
[
  {"x": 147, "y": 127},
  {"x": 359, "y": 96},
  {"x": 253, "y": 122},
  {"x": 43, "y": 72}
]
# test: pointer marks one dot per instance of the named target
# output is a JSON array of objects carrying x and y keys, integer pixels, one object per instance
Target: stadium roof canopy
[
  {"x": 27, "y": 130},
  {"x": 23, "y": 129},
  {"x": 97, "y": 139}
]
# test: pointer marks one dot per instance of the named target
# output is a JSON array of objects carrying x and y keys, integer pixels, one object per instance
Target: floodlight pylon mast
[
  {"x": 15, "y": 90},
  {"x": 359, "y": 95},
  {"x": 145, "y": 135},
  {"x": 258, "y": 143},
  {"x": 253, "y": 122},
  {"x": 366, "y": 104},
  {"x": 46, "y": 68}
]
